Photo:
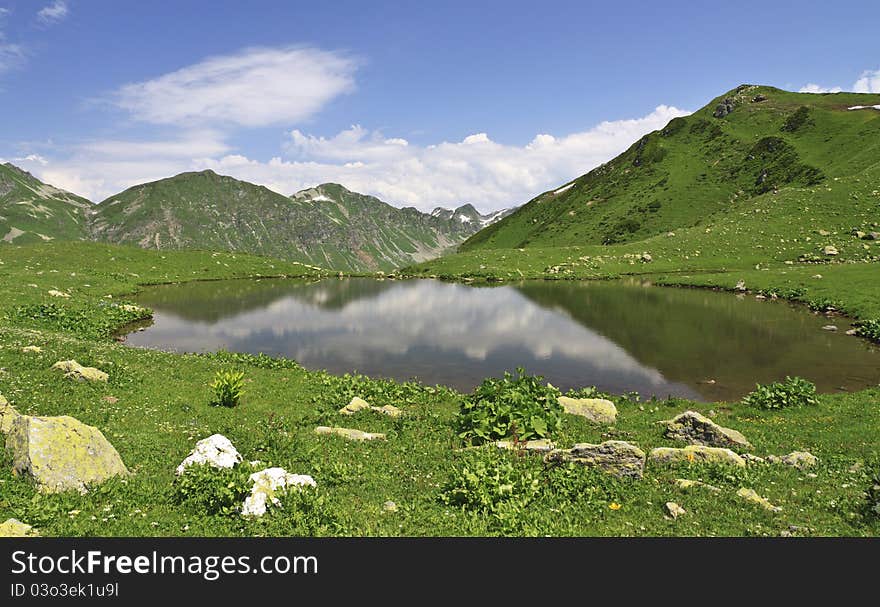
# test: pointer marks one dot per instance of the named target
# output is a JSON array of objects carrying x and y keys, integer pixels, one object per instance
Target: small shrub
[
  {"x": 869, "y": 329},
  {"x": 523, "y": 407},
  {"x": 211, "y": 490},
  {"x": 799, "y": 118},
  {"x": 228, "y": 388},
  {"x": 793, "y": 392},
  {"x": 824, "y": 305}
]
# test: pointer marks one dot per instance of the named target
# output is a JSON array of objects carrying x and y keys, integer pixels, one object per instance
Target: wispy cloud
[
  {"x": 476, "y": 169},
  {"x": 53, "y": 13},
  {"x": 817, "y": 88},
  {"x": 11, "y": 55},
  {"x": 255, "y": 87}
]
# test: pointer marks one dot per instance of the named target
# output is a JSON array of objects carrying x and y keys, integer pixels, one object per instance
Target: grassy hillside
[
  {"x": 32, "y": 211},
  {"x": 155, "y": 406},
  {"x": 328, "y": 226},
  {"x": 745, "y": 149}
]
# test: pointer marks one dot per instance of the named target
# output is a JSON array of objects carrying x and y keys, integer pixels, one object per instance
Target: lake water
[{"x": 617, "y": 336}]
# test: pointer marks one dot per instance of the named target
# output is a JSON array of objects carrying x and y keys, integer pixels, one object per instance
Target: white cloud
[
  {"x": 868, "y": 82},
  {"x": 816, "y": 88},
  {"x": 255, "y": 87},
  {"x": 53, "y": 13},
  {"x": 477, "y": 169}
]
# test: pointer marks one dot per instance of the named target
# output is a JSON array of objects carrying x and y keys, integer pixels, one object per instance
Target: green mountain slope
[
  {"x": 328, "y": 226},
  {"x": 740, "y": 151},
  {"x": 32, "y": 211}
]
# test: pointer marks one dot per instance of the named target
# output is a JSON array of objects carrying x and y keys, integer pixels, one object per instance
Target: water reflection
[{"x": 618, "y": 337}]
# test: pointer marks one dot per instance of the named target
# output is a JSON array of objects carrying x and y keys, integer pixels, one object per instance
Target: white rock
[
  {"x": 216, "y": 450},
  {"x": 268, "y": 484}
]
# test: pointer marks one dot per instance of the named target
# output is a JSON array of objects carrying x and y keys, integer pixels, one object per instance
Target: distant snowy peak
[{"x": 467, "y": 214}]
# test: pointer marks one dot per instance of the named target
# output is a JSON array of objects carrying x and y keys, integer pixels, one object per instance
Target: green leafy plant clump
[
  {"x": 215, "y": 491},
  {"x": 869, "y": 329},
  {"x": 228, "y": 388},
  {"x": 485, "y": 480},
  {"x": 522, "y": 407},
  {"x": 793, "y": 392}
]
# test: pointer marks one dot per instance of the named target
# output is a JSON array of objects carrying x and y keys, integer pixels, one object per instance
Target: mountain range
[
  {"x": 756, "y": 169},
  {"x": 327, "y": 226}
]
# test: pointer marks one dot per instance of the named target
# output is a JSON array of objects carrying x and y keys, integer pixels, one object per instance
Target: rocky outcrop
[
  {"x": 724, "y": 108},
  {"x": 615, "y": 457},
  {"x": 695, "y": 453},
  {"x": 216, "y": 450},
  {"x": 74, "y": 370},
  {"x": 268, "y": 486},
  {"x": 696, "y": 429},
  {"x": 596, "y": 410},
  {"x": 61, "y": 453},
  {"x": 350, "y": 433}
]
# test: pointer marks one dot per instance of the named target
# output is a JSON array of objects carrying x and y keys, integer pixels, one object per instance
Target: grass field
[{"x": 160, "y": 408}]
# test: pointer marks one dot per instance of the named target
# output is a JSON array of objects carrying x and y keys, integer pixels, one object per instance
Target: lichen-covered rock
[
  {"x": 830, "y": 251},
  {"x": 57, "y": 293},
  {"x": 695, "y": 453},
  {"x": 615, "y": 457},
  {"x": 675, "y": 510},
  {"x": 357, "y": 404},
  {"x": 61, "y": 453},
  {"x": 696, "y": 429},
  {"x": 752, "y": 497},
  {"x": 32, "y": 349},
  {"x": 8, "y": 414},
  {"x": 389, "y": 410},
  {"x": 74, "y": 370},
  {"x": 268, "y": 485},
  {"x": 541, "y": 445},
  {"x": 15, "y": 528},
  {"x": 797, "y": 459},
  {"x": 753, "y": 459},
  {"x": 596, "y": 410},
  {"x": 389, "y": 507},
  {"x": 216, "y": 450},
  {"x": 688, "y": 484},
  {"x": 350, "y": 433}
]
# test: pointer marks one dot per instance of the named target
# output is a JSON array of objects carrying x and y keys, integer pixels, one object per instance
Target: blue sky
[{"x": 420, "y": 103}]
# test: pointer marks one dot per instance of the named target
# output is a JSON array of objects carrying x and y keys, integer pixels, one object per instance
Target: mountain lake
[{"x": 619, "y": 336}]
